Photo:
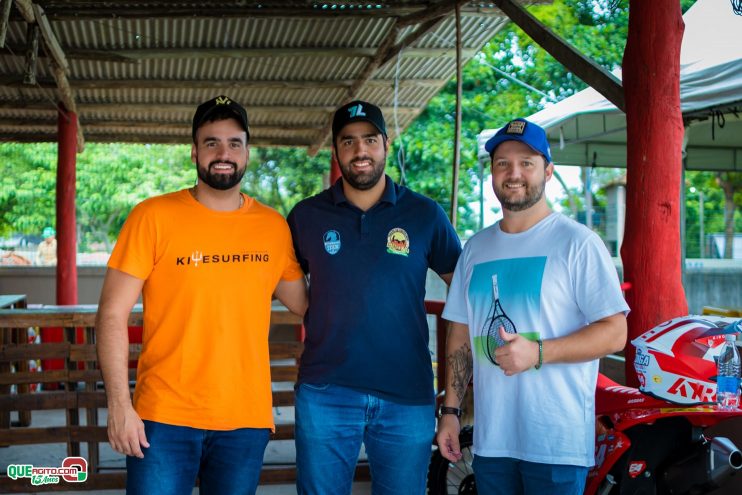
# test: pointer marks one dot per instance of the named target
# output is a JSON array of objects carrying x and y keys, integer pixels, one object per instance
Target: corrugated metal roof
[{"x": 137, "y": 70}]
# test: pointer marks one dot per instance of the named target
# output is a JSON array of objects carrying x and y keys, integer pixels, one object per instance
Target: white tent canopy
[{"x": 586, "y": 129}]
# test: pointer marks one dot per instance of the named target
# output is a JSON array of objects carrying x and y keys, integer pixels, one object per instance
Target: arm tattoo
[{"x": 461, "y": 365}]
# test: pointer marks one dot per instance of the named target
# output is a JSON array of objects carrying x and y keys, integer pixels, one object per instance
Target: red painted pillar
[
  {"x": 66, "y": 232},
  {"x": 66, "y": 218},
  {"x": 334, "y": 170},
  {"x": 651, "y": 246}
]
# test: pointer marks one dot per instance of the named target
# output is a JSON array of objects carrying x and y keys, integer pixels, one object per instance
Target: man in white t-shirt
[{"x": 534, "y": 303}]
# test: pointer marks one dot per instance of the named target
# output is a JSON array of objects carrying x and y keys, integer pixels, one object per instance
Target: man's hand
[
  {"x": 120, "y": 292},
  {"x": 126, "y": 431},
  {"x": 448, "y": 437},
  {"x": 517, "y": 355}
]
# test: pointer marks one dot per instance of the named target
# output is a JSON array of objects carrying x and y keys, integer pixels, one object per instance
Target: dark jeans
[
  {"x": 333, "y": 421},
  {"x": 508, "y": 476},
  {"x": 225, "y": 461}
]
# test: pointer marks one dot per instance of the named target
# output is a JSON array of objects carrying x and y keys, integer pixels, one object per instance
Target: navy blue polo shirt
[{"x": 366, "y": 327}]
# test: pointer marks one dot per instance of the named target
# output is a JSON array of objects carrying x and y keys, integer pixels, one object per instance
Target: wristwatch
[{"x": 449, "y": 410}]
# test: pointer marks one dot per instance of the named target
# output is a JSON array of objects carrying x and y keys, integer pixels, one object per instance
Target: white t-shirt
[{"x": 552, "y": 280}]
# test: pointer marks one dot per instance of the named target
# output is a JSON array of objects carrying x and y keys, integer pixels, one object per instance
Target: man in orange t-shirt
[{"x": 207, "y": 261}]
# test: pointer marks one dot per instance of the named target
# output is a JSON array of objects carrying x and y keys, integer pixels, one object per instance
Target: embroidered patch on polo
[
  {"x": 332, "y": 241},
  {"x": 516, "y": 127},
  {"x": 398, "y": 242}
]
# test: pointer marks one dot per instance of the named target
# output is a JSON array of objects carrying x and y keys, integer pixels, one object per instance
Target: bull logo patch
[
  {"x": 332, "y": 241},
  {"x": 398, "y": 242}
]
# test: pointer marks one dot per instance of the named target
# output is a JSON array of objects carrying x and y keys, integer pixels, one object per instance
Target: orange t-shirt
[{"x": 209, "y": 277}]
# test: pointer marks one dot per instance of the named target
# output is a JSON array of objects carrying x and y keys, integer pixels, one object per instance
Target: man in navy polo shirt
[{"x": 365, "y": 374}]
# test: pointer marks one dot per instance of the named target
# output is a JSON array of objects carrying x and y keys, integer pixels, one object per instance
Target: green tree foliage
[
  {"x": 27, "y": 184},
  {"x": 719, "y": 214},
  {"x": 111, "y": 179},
  {"x": 731, "y": 184},
  {"x": 491, "y": 98},
  {"x": 281, "y": 177}
]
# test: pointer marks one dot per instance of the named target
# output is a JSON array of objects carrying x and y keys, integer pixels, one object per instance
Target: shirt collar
[{"x": 389, "y": 195}]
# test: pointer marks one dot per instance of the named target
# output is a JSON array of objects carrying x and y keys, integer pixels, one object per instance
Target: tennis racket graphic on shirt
[{"x": 497, "y": 319}]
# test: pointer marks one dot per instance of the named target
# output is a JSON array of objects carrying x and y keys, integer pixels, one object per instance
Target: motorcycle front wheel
[{"x": 448, "y": 478}]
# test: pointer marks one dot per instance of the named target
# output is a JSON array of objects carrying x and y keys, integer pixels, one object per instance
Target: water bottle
[{"x": 728, "y": 375}]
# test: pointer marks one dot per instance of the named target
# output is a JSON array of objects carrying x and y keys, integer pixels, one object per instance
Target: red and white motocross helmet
[{"x": 676, "y": 360}]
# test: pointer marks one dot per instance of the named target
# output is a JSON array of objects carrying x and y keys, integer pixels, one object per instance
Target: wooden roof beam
[
  {"x": 96, "y": 124},
  {"x": 148, "y": 108},
  {"x": 149, "y": 138},
  {"x": 31, "y": 50},
  {"x": 4, "y": 16},
  {"x": 100, "y": 10},
  {"x": 11, "y": 81},
  {"x": 136, "y": 55},
  {"x": 583, "y": 67},
  {"x": 33, "y": 13},
  {"x": 33, "y": 33},
  {"x": 25, "y": 7},
  {"x": 50, "y": 40}
]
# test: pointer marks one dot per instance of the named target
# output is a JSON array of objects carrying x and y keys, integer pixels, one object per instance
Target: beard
[
  {"x": 534, "y": 192},
  {"x": 220, "y": 181},
  {"x": 362, "y": 180}
]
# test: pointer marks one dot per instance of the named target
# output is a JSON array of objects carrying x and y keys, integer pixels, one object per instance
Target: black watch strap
[{"x": 449, "y": 410}]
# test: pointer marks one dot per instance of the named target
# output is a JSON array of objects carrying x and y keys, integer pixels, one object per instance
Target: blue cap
[{"x": 524, "y": 131}]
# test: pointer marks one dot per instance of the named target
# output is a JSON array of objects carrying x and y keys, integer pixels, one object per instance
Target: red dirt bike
[{"x": 649, "y": 441}]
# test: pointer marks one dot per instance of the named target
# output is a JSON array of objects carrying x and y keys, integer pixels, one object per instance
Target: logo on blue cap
[
  {"x": 524, "y": 131},
  {"x": 516, "y": 127}
]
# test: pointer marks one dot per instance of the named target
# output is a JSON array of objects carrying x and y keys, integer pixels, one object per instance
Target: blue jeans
[
  {"x": 333, "y": 421},
  {"x": 224, "y": 461},
  {"x": 508, "y": 476}
]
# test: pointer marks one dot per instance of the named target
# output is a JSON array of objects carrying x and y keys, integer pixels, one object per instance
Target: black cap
[
  {"x": 357, "y": 111},
  {"x": 207, "y": 108}
]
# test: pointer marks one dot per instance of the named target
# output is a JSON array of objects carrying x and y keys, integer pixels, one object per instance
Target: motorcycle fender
[{"x": 609, "y": 447}]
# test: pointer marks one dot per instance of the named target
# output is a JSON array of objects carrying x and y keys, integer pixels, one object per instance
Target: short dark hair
[{"x": 218, "y": 115}]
